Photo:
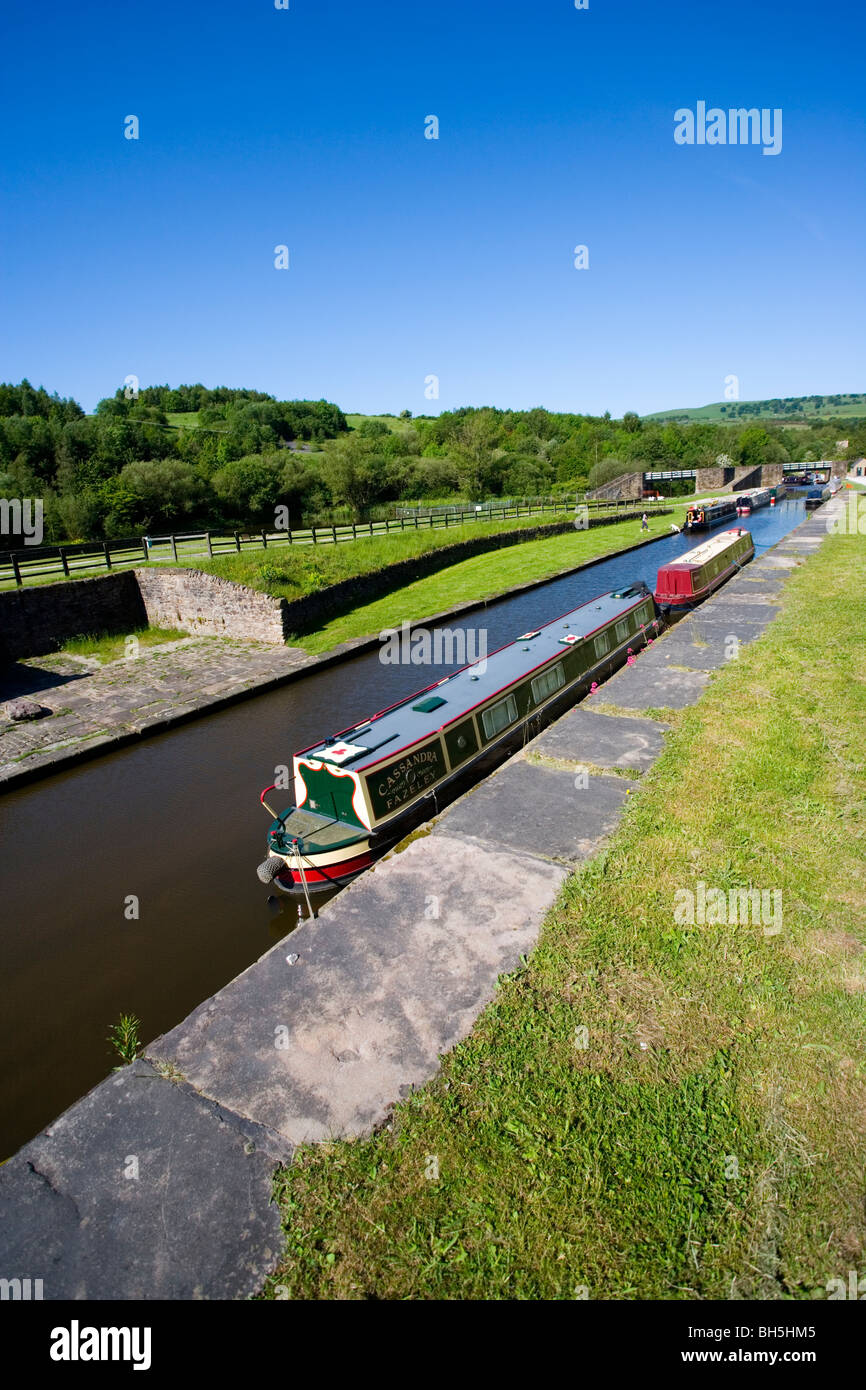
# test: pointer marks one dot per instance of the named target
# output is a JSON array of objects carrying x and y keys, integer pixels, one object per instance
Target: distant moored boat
[
  {"x": 701, "y": 516},
  {"x": 754, "y": 498}
]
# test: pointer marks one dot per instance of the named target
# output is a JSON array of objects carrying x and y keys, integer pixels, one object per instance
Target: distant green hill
[{"x": 790, "y": 409}]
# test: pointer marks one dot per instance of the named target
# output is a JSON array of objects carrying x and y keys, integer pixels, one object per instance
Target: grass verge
[
  {"x": 295, "y": 571},
  {"x": 483, "y": 576},
  {"x": 111, "y": 647},
  {"x": 706, "y": 1142}
]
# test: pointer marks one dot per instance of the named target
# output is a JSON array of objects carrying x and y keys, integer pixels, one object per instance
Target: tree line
[{"x": 192, "y": 457}]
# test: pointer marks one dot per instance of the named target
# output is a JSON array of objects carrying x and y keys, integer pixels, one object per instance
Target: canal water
[{"x": 172, "y": 830}]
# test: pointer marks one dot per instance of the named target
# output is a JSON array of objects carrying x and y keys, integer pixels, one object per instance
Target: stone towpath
[
  {"x": 97, "y": 708},
  {"x": 158, "y": 1183}
]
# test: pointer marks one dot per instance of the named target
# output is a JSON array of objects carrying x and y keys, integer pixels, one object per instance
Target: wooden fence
[{"x": 32, "y": 565}]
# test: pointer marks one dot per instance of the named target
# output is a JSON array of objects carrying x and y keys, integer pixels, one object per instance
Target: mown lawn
[
  {"x": 296, "y": 571},
  {"x": 707, "y": 1142},
  {"x": 292, "y": 571},
  {"x": 483, "y": 576}
]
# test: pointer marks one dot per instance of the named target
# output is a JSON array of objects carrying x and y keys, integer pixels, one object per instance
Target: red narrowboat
[{"x": 685, "y": 582}]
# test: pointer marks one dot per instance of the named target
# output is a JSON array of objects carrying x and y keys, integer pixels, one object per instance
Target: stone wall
[
  {"x": 713, "y": 479},
  {"x": 208, "y": 606},
  {"x": 303, "y": 614},
  {"x": 627, "y": 486},
  {"x": 40, "y": 619}
]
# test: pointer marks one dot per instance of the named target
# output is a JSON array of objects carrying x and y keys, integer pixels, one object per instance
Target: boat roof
[
  {"x": 707, "y": 550},
  {"x": 709, "y": 502},
  {"x": 427, "y": 711}
]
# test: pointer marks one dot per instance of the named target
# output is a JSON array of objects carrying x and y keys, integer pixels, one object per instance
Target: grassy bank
[
  {"x": 482, "y": 577},
  {"x": 293, "y": 573},
  {"x": 707, "y": 1142}
]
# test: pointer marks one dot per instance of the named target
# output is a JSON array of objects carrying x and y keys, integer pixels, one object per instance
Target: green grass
[
  {"x": 854, "y": 408},
  {"x": 111, "y": 647},
  {"x": 395, "y": 425},
  {"x": 708, "y": 1142},
  {"x": 293, "y": 571},
  {"x": 484, "y": 576},
  {"x": 182, "y": 419}
]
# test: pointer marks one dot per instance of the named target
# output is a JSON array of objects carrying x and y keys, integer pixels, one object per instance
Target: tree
[
  {"x": 606, "y": 470},
  {"x": 165, "y": 489},
  {"x": 360, "y": 473},
  {"x": 752, "y": 446},
  {"x": 250, "y": 487}
]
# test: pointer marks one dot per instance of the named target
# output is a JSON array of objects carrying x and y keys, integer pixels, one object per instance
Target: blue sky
[{"x": 413, "y": 257}]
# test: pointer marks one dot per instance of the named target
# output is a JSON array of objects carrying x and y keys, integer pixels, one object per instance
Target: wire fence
[{"x": 33, "y": 565}]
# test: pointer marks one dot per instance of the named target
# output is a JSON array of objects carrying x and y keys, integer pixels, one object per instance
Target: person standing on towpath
[{"x": 644, "y": 523}]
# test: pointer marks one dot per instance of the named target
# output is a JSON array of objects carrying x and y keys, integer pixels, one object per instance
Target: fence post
[
  {"x": 107, "y": 556},
  {"x": 144, "y": 548},
  {"x": 264, "y": 540},
  {"x": 237, "y": 541},
  {"x": 354, "y": 531},
  {"x": 174, "y": 548},
  {"x": 64, "y": 561},
  {"x": 315, "y": 542},
  {"x": 15, "y": 568},
  {"x": 416, "y": 521},
  {"x": 402, "y": 523},
  {"x": 209, "y": 544},
  {"x": 371, "y": 528},
  {"x": 334, "y": 534}
]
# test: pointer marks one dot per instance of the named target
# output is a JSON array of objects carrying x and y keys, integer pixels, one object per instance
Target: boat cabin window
[
  {"x": 602, "y": 643},
  {"x": 498, "y": 717},
  {"x": 623, "y": 628},
  {"x": 548, "y": 683}
]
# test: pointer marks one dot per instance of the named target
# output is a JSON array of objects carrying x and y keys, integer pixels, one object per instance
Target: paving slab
[
  {"x": 651, "y": 685},
  {"x": 697, "y": 651},
  {"x": 769, "y": 582},
  {"x": 735, "y": 610},
  {"x": 539, "y": 810},
  {"x": 100, "y": 707},
  {"x": 601, "y": 740},
  {"x": 393, "y": 974},
  {"x": 142, "y": 1190}
]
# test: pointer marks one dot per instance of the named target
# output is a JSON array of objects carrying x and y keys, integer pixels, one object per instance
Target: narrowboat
[
  {"x": 753, "y": 498},
  {"x": 777, "y": 492},
  {"x": 817, "y": 494},
  {"x": 701, "y": 516},
  {"x": 685, "y": 582},
  {"x": 356, "y": 793}
]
